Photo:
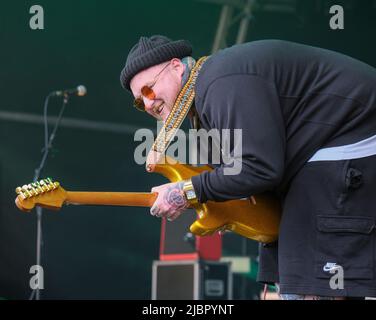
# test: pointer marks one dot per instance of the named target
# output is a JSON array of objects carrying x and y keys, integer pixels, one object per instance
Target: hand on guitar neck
[
  {"x": 171, "y": 201},
  {"x": 51, "y": 195}
]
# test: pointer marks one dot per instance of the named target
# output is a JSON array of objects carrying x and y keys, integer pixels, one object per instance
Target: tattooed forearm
[{"x": 174, "y": 196}]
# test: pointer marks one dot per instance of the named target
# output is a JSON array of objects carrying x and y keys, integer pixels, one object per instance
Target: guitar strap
[{"x": 176, "y": 117}]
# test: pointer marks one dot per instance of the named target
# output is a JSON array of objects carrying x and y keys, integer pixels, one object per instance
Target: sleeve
[{"x": 251, "y": 104}]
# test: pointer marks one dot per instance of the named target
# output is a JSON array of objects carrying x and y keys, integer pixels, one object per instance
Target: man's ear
[{"x": 178, "y": 66}]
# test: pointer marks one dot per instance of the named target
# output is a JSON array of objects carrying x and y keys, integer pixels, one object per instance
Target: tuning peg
[
  {"x": 30, "y": 191},
  {"x": 45, "y": 186},
  {"x": 24, "y": 195},
  {"x": 34, "y": 190},
  {"x": 42, "y": 184},
  {"x": 36, "y": 186},
  {"x": 20, "y": 192},
  {"x": 25, "y": 192},
  {"x": 51, "y": 184}
]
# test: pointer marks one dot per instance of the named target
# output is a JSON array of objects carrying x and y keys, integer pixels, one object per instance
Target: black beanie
[{"x": 150, "y": 52}]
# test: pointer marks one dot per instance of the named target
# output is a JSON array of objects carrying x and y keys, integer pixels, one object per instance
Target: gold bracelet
[{"x": 189, "y": 192}]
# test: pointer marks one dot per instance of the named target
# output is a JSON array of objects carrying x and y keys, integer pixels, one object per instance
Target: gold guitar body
[{"x": 256, "y": 218}]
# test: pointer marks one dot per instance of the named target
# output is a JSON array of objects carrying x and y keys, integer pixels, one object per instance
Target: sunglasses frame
[{"x": 138, "y": 102}]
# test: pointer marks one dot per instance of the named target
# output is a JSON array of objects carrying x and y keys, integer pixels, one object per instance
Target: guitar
[{"x": 256, "y": 217}]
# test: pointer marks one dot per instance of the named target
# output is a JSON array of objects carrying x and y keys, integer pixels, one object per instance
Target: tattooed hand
[{"x": 171, "y": 201}]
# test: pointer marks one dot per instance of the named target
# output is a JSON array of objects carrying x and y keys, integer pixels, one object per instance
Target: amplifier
[{"x": 191, "y": 280}]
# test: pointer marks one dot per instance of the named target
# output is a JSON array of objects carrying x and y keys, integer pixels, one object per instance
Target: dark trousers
[{"x": 327, "y": 229}]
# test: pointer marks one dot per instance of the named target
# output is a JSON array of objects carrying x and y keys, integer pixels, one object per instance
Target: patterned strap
[{"x": 176, "y": 116}]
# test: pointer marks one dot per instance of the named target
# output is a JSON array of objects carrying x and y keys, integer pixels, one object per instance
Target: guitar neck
[{"x": 132, "y": 199}]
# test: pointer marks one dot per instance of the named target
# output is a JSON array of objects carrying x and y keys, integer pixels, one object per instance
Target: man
[{"x": 308, "y": 120}]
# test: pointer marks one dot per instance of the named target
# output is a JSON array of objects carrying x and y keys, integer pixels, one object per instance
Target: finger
[
  {"x": 154, "y": 211},
  {"x": 162, "y": 214},
  {"x": 174, "y": 215},
  {"x": 154, "y": 189}
]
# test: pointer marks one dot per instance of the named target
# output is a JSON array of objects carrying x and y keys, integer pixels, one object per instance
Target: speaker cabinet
[{"x": 191, "y": 280}]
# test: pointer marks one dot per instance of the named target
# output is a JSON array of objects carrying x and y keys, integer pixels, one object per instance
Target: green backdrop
[{"x": 97, "y": 252}]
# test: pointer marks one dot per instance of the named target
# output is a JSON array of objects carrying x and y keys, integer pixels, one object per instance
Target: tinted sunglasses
[{"x": 147, "y": 92}]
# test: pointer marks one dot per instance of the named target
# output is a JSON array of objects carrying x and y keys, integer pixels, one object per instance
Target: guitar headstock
[{"x": 44, "y": 193}]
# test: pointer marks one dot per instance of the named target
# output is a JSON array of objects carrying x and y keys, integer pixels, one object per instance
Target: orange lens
[
  {"x": 148, "y": 92},
  {"x": 139, "y": 104}
]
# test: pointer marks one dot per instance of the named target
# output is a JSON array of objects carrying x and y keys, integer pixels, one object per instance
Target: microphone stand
[{"x": 47, "y": 147}]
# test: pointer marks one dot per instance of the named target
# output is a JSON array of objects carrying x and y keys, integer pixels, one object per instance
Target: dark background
[{"x": 98, "y": 252}]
